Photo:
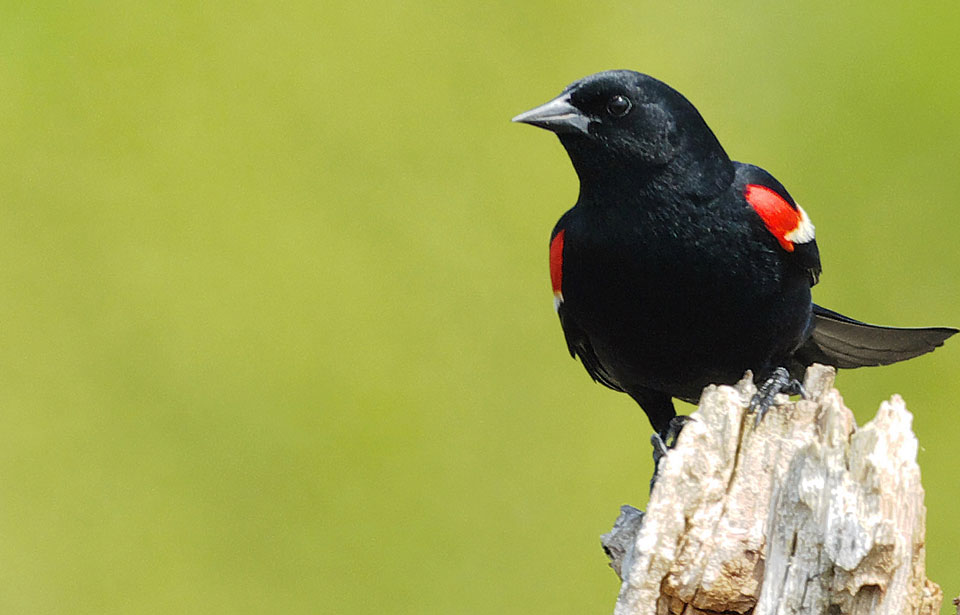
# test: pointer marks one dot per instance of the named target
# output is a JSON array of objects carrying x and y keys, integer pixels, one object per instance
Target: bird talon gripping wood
[
  {"x": 779, "y": 382},
  {"x": 679, "y": 267},
  {"x": 664, "y": 441}
]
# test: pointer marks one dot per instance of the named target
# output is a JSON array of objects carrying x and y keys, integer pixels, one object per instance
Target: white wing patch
[{"x": 804, "y": 230}]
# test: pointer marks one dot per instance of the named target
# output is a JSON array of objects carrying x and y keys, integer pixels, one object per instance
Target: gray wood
[{"x": 802, "y": 514}]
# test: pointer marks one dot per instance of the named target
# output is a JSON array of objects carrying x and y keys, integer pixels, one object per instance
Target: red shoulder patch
[
  {"x": 784, "y": 221},
  {"x": 556, "y": 267}
]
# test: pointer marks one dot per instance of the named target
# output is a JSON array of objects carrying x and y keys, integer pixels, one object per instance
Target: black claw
[
  {"x": 659, "y": 449},
  {"x": 778, "y": 382},
  {"x": 795, "y": 387},
  {"x": 665, "y": 440},
  {"x": 674, "y": 427}
]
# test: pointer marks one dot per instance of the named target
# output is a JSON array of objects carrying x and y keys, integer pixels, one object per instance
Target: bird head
[{"x": 628, "y": 124}]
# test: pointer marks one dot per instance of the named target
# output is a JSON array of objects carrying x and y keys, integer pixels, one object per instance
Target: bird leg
[
  {"x": 664, "y": 440},
  {"x": 778, "y": 382}
]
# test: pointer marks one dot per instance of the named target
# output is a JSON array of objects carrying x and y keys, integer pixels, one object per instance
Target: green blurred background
[{"x": 277, "y": 332}]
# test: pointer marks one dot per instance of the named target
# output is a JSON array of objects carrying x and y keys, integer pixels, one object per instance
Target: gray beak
[{"x": 558, "y": 116}]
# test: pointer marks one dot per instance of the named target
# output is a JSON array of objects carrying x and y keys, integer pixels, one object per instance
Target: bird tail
[{"x": 844, "y": 342}]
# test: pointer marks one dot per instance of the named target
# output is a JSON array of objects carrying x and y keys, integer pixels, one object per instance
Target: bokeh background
[{"x": 276, "y": 332}]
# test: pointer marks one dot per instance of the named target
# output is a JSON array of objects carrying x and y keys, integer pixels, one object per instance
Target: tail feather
[{"x": 844, "y": 342}]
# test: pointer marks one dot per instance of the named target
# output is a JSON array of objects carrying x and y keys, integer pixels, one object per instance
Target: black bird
[{"x": 678, "y": 267}]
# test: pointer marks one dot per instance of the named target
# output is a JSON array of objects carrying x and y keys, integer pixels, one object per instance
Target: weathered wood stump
[{"x": 804, "y": 513}]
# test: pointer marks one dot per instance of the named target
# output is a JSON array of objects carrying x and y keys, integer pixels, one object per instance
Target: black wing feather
[
  {"x": 579, "y": 346},
  {"x": 843, "y": 342}
]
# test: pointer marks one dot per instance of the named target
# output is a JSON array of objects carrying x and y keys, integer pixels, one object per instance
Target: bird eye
[{"x": 618, "y": 106}]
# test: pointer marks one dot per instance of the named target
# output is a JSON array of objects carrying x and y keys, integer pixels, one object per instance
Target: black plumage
[{"x": 678, "y": 267}]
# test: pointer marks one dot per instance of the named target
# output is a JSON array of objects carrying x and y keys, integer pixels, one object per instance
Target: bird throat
[{"x": 699, "y": 178}]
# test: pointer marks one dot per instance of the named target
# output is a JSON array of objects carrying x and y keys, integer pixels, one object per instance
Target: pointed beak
[{"x": 557, "y": 116}]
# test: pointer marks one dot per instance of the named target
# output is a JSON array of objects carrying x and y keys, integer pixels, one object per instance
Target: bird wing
[
  {"x": 579, "y": 346},
  {"x": 783, "y": 218},
  {"x": 841, "y": 341},
  {"x": 578, "y": 343}
]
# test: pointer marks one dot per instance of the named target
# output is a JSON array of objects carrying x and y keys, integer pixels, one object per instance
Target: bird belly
[{"x": 676, "y": 330}]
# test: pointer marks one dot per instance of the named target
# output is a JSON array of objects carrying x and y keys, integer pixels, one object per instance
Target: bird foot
[
  {"x": 778, "y": 382},
  {"x": 665, "y": 440}
]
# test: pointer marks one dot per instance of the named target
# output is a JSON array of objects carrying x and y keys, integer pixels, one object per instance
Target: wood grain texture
[{"x": 802, "y": 514}]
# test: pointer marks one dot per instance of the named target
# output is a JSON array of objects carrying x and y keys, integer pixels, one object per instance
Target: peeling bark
[{"x": 802, "y": 514}]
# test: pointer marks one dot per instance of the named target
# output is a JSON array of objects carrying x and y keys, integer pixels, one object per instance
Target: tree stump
[{"x": 804, "y": 513}]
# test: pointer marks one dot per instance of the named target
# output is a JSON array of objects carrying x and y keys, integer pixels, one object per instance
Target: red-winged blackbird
[{"x": 678, "y": 267}]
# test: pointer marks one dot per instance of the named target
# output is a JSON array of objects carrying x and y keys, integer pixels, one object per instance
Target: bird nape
[{"x": 678, "y": 267}]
